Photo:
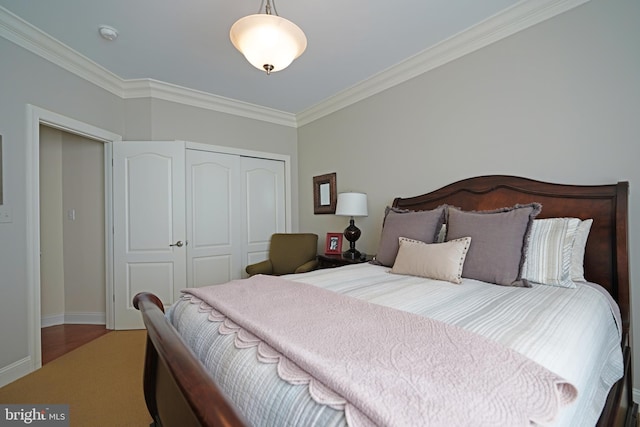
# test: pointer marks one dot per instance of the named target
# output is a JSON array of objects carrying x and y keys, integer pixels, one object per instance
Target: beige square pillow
[{"x": 439, "y": 261}]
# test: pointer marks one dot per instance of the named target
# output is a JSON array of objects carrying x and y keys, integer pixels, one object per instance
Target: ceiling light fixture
[
  {"x": 268, "y": 41},
  {"x": 107, "y": 32}
]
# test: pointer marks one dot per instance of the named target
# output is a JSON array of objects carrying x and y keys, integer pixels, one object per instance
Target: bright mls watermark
[{"x": 36, "y": 415}]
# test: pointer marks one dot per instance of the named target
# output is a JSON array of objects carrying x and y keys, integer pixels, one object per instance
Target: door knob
[{"x": 178, "y": 244}]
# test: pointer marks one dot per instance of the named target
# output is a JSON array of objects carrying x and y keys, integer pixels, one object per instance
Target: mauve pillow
[
  {"x": 498, "y": 242},
  {"x": 417, "y": 225}
]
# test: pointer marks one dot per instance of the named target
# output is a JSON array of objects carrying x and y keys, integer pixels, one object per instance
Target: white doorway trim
[{"x": 35, "y": 117}]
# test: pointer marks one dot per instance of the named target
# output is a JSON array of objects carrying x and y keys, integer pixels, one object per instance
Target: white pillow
[
  {"x": 439, "y": 261},
  {"x": 549, "y": 252},
  {"x": 577, "y": 253}
]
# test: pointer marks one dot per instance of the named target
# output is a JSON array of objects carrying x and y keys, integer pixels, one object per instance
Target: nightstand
[{"x": 331, "y": 261}]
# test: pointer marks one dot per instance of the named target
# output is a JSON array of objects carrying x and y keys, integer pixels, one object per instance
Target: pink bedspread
[{"x": 383, "y": 366}]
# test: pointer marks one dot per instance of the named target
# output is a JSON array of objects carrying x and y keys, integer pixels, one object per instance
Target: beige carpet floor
[{"x": 100, "y": 381}]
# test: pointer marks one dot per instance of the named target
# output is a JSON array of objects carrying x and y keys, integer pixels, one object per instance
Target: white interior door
[
  {"x": 263, "y": 205},
  {"x": 213, "y": 220},
  {"x": 149, "y": 225}
]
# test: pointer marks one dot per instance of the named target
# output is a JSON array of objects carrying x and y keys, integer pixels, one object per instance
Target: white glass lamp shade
[
  {"x": 268, "y": 40},
  {"x": 352, "y": 204}
]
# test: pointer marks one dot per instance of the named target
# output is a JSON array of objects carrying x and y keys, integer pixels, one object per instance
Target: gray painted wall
[{"x": 51, "y": 224}]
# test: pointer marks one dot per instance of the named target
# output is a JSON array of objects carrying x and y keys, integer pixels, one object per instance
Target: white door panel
[
  {"x": 148, "y": 203},
  {"x": 160, "y": 274},
  {"x": 264, "y": 205},
  {"x": 256, "y": 257},
  {"x": 212, "y": 270},
  {"x": 213, "y": 226},
  {"x": 262, "y": 198},
  {"x": 148, "y": 220}
]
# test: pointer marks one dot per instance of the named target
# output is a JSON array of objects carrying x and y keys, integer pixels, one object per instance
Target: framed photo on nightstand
[{"x": 333, "y": 244}]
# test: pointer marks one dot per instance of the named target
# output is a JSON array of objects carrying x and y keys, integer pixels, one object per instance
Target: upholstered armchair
[{"x": 288, "y": 253}]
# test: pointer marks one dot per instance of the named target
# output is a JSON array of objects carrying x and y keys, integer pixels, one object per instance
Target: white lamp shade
[
  {"x": 352, "y": 204},
  {"x": 268, "y": 40}
]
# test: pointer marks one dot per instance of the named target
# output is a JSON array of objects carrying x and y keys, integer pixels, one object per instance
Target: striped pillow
[{"x": 548, "y": 260}]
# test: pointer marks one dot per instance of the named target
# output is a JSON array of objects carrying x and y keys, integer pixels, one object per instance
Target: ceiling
[{"x": 186, "y": 43}]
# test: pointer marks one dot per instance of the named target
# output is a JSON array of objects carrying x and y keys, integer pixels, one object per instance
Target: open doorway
[
  {"x": 74, "y": 128},
  {"x": 72, "y": 223},
  {"x": 72, "y": 241}
]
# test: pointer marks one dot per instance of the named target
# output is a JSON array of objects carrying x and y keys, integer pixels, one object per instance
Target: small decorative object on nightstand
[
  {"x": 331, "y": 261},
  {"x": 333, "y": 244},
  {"x": 352, "y": 204}
]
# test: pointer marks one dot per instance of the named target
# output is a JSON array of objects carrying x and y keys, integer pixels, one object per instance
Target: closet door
[
  {"x": 263, "y": 206},
  {"x": 188, "y": 218},
  {"x": 149, "y": 225},
  {"x": 213, "y": 193}
]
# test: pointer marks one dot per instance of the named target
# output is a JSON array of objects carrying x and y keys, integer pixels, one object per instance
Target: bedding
[
  {"x": 530, "y": 321},
  {"x": 348, "y": 347}
]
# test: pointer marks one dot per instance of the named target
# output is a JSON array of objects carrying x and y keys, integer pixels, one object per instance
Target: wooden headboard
[{"x": 606, "y": 254}]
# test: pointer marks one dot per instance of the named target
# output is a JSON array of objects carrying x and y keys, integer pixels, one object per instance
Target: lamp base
[
  {"x": 351, "y": 233},
  {"x": 351, "y": 254}
]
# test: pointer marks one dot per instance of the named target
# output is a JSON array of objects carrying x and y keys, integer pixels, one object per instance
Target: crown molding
[
  {"x": 29, "y": 37},
  {"x": 149, "y": 88},
  {"x": 504, "y": 24}
]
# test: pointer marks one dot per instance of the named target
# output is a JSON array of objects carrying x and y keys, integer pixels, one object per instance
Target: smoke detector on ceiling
[{"x": 107, "y": 32}]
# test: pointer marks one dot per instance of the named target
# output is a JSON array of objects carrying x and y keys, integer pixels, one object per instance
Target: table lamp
[{"x": 351, "y": 204}]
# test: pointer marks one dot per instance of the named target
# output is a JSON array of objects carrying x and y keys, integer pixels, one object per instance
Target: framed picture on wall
[
  {"x": 333, "y": 244},
  {"x": 324, "y": 194}
]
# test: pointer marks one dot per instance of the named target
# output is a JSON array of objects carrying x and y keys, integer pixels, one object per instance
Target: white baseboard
[
  {"x": 16, "y": 370},
  {"x": 80, "y": 318},
  {"x": 22, "y": 367},
  {"x": 53, "y": 320},
  {"x": 85, "y": 318}
]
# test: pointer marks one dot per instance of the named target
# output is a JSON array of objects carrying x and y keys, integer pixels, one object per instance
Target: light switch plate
[{"x": 5, "y": 214}]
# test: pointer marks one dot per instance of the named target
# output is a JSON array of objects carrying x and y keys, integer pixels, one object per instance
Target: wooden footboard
[{"x": 177, "y": 389}]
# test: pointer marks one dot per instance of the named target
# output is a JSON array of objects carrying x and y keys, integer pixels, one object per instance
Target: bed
[{"x": 180, "y": 390}]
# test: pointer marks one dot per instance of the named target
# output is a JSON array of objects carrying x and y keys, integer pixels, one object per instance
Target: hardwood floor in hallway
[{"x": 60, "y": 339}]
